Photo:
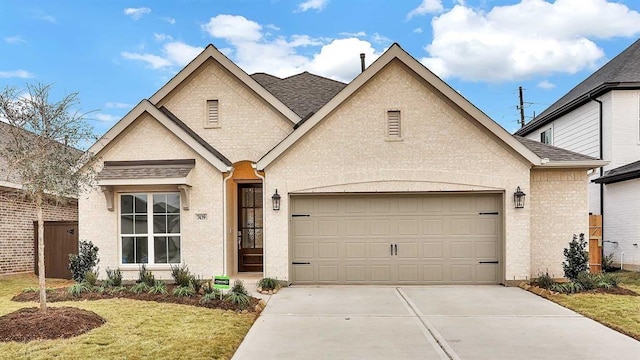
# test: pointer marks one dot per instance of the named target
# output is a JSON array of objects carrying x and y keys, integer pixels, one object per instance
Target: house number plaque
[{"x": 201, "y": 216}]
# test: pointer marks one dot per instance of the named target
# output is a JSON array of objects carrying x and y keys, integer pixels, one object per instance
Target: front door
[{"x": 250, "y": 227}]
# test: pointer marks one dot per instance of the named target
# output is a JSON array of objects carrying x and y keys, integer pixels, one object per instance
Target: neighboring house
[
  {"x": 17, "y": 216},
  {"x": 392, "y": 178},
  {"x": 600, "y": 117}
]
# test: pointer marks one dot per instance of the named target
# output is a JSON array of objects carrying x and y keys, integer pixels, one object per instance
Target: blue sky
[{"x": 115, "y": 53}]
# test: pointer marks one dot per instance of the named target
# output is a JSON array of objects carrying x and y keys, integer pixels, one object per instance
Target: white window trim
[
  {"x": 550, "y": 130},
  {"x": 207, "y": 124},
  {"x": 387, "y": 136},
  {"x": 150, "y": 264}
]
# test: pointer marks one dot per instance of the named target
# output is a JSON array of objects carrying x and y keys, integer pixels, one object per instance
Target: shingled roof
[
  {"x": 622, "y": 72},
  {"x": 303, "y": 93},
  {"x": 622, "y": 173},
  {"x": 551, "y": 152}
]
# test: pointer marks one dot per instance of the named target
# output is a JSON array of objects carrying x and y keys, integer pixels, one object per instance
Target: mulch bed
[
  {"x": 29, "y": 324},
  {"x": 63, "y": 322},
  {"x": 616, "y": 291},
  {"x": 61, "y": 294}
]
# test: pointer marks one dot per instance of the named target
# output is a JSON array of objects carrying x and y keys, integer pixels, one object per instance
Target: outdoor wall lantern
[
  {"x": 518, "y": 198},
  {"x": 275, "y": 199}
]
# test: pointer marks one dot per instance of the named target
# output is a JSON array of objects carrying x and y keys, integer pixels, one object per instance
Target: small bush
[
  {"x": 86, "y": 260},
  {"x": 116, "y": 290},
  {"x": 607, "y": 263},
  {"x": 91, "y": 277},
  {"x": 196, "y": 283},
  {"x": 78, "y": 288},
  {"x": 268, "y": 284},
  {"x": 181, "y": 275},
  {"x": 238, "y": 288},
  {"x": 544, "y": 280},
  {"x": 98, "y": 289},
  {"x": 145, "y": 276},
  {"x": 568, "y": 287},
  {"x": 240, "y": 299},
  {"x": 35, "y": 289},
  {"x": 140, "y": 287},
  {"x": 208, "y": 288},
  {"x": 114, "y": 278},
  {"x": 183, "y": 291},
  {"x": 158, "y": 288},
  {"x": 208, "y": 297},
  {"x": 576, "y": 258}
]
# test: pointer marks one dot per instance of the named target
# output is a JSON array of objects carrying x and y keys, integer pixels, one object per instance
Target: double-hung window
[
  {"x": 546, "y": 137},
  {"x": 150, "y": 228}
]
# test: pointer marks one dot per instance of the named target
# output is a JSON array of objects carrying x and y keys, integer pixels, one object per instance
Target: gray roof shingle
[
  {"x": 150, "y": 169},
  {"x": 303, "y": 93},
  {"x": 621, "y": 173},
  {"x": 623, "y": 71},
  {"x": 551, "y": 152}
]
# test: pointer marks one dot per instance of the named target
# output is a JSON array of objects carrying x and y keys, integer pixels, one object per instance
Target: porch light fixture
[
  {"x": 275, "y": 199},
  {"x": 518, "y": 198}
]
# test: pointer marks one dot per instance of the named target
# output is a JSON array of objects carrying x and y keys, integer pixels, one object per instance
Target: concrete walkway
[{"x": 434, "y": 322}]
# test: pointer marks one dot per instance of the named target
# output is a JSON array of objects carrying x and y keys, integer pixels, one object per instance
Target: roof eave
[{"x": 574, "y": 164}]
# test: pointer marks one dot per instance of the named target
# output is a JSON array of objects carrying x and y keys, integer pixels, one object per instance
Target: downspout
[
  {"x": 224, "y": 219},
  {"x": 601, "y": 155},
  {"x": 264, "y": 223}
]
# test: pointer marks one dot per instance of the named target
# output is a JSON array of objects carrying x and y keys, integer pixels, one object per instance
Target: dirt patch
[
  {"x": 616, "y": 291},
  {"x": 29, "y": 324},
  {"x": 62, "y": 294}
]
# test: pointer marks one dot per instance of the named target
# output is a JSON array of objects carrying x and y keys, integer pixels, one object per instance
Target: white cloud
[
  {"x": 533, "y": 37},
  {"x": 546, "y": 84},
  {"x": 318, "y": 5},
  {"x": 14, "y": 40},
  {"x": 137, "y": 13},
  {"x": 23, "y": 74},
  {"x": 47, "y": 18},
  {"x": 161, "y": 37},
  {"x": 380, "y": 39},
  {"x": 418, "y": 30},
  {"x": 117, "y": 105},
  {"x": 103, "y": 117},
  {"x": 426, "y": 7},
  {"x": 340, "y": 59},
  {"x": 272, "y": 27},
  {"x": 173, "y": 54},
  {"x": 234, "y": 28},
  {"x": 356, "y": 34},
  {"x": 170, "y": 20}
]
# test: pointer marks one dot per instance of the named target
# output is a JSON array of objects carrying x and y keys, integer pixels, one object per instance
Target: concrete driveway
[{"x": 434, "y": 322}]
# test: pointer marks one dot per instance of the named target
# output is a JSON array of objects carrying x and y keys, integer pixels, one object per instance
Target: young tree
[{"x": 40, "y": 151}]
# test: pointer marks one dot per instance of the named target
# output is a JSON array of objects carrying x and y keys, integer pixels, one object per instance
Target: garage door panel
[{"x": 441, "y": 239}]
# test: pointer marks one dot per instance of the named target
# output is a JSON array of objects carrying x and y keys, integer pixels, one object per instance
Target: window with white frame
[
  {"x": 150, "y": 228},
  {"x": 546, "y": 137}
]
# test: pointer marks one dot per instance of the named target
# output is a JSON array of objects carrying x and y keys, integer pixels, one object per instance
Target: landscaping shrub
[
  {"x": 238, "y": 294},
  {"x": 568, "y": 287},
  {"x": 210, "y": 296},
  {"x": 184, "y": 291},
  {"x": 576, "y": 257},
  {"x": 145, "y": 276},
  {"x": 544, "y": 280},
  {"x": 181, "y": 275},
  {"x": 114, "y": 277},
  {"x": 78, "y": 288},
  {"x": 196, "y": 283},
  {"x": 86, "y": 260},
  {"x": 268, "y": 284},
  {"x": 159, "y": 287},
  {"x": 140, "y": 287},
  {"x": 91, "y": 277},
  {"x": 607, "y": 263}
]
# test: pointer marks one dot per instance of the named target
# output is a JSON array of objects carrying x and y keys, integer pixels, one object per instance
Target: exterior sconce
[
  {"x": 518, "y": 198},
  {"x": 275, "y": 199}
]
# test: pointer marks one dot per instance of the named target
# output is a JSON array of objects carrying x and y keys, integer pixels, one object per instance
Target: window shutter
[
  {"x": 212, "y": 113},
  {"x": 393, "y": 124}
]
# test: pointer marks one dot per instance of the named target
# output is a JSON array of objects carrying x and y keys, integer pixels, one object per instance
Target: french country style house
[{"x": 394, "y": 178}]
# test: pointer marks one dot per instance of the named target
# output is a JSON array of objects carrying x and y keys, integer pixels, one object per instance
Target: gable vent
[
  {"x": 393, "y": 124},
  {"x": 212, "y": 114}
]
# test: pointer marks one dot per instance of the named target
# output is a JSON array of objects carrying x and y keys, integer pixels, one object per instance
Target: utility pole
[{"x": 521, "y": 107}]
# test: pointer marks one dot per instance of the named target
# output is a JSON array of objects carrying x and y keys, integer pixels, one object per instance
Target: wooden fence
[{"x": 595, "y": 243}]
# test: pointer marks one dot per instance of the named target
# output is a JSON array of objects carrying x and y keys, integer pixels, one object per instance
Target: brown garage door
[{"x": 396, "y": 239}]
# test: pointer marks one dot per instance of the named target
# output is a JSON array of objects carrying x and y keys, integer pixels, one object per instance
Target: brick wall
[{"x": 16, "y": 230}]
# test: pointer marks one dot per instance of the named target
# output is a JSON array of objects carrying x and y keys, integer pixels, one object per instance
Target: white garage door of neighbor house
[{"x": 396, "y": 239}]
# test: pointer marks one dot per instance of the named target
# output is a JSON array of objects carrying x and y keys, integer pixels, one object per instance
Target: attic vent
[
  {"x": 212, "y": 120},
  {"x": 393, "y": 125}
]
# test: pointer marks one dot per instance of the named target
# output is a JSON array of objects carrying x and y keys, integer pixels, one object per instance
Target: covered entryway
[
  {"x": 60, "y": 240},
  {"x": 396, "y": 239}
]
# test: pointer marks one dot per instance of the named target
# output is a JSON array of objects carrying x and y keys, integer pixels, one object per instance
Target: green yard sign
[{"x": 221, "y": 282}]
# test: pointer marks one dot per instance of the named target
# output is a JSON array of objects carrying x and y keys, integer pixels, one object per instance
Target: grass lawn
[
  {"x": 619, "y": 312},
  {"x": 134, "y": 329}
]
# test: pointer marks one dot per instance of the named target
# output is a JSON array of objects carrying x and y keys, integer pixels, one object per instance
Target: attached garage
[{"x": 397, "y": 239}]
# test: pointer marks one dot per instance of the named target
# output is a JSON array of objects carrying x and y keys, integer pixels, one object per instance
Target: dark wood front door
[
  {"x": 250, "y": 233},
  {"x": 60, "y": 240}
]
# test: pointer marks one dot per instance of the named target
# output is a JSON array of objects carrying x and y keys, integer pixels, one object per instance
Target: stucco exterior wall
[
  {"x": 441, "y": 150},
  {"x": 622, "y": 211},
  {"x": 201, "y": 241},
  {"x": 17, "y": 229},
  {"x": 249, "y": 127},
  {"x": 559, "y": 209}
]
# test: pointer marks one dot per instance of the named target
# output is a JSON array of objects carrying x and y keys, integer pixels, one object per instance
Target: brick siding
[{"x": 17, "y": 230}]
